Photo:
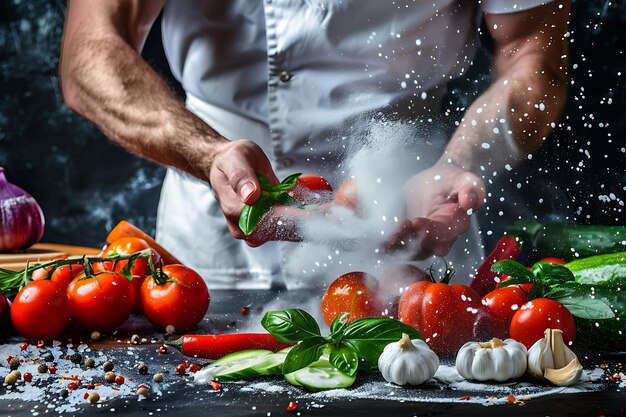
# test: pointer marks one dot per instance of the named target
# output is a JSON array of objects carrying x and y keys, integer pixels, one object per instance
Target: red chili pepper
[
  {"x": 215, "y": 385},
  {"x": 72, "y": 385},
  {"x": 41, "y": 344},
  {"x": 510, "y": 399},
  {"x": 465, "y": 398},
  {"x": 23, "y": 346},
  {"x": 485, "y": 280},
  {"x": 292, "y": 406},
  {"x": 219, "y": 345},
  {"x": 181, "y": 368}
]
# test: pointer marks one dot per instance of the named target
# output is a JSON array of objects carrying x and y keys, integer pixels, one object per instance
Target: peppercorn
[
  {"x": 143, "y": 369},
  {"x": 245, "y": 310},
  {"x": 163, "y": 349},
  {"x": 49, "y": 358},
  {"x": 135, "y": 339},
  {"x": 181, "y": 368},
  {"x": 76, "y": 358},
  {"x": 28, "y": 377},
  {"x": 143, "y": 391},
  {"x": 119, "y": 379},
  {"x": 18, "y": 374},
  {"x": 109, "y": 377},
  {"x": 95, "y": 335},
  {"x": 157, "y": 378},
  {"x": 90, "y": 363},
  {"x": 14, "y": 363},
  {"x": 64, "y": 393},
  {"x": 107, "y": 366},
  {"x": 169, "y": 329},
  {"x": 42, "y": 368},
  {"x": 94, "y": 397}
]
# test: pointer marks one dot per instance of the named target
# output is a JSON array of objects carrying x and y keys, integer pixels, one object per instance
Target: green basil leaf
[
  {"x": 587, "y": 308},
  {"x": 552, "y": 274},
  {"x": 344, "y": 358},
  {"x": 369, "y": 336},
  {"x": 583, "y": 301},
  {"x": 290, "y": 326},
  {"x": 339, "y": 323},
  {"x": 513, "y": 269},
  {"x": 304, "y": 354},
  {"x": 287, "y": 184},
  {"x": 264, "y": 182},
  {"x": 251, "y": 215}
]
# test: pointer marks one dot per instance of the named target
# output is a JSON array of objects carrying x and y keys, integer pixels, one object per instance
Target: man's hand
[
  {"x": 439, "y": 202},
  {"x": 233, "y": 179}
]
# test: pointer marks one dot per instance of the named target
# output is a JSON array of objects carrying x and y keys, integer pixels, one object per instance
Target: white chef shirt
[{"x": 295, "y": 76}]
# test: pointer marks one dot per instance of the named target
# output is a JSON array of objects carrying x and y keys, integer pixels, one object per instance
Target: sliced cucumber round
[
  {"x": 319, "y": 376},
  {"x": 211, "y": 371}
]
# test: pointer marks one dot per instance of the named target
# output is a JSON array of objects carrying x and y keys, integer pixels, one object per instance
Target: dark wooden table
[{"x": 179, "y": 396}]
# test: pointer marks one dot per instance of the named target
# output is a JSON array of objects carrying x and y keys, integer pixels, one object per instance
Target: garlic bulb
[
  {"x": 494, "y": 360},
  {"x": 550, "y": 358},
  {"x": 408, "y": 362},
  {"x": 21, "y": 218}
]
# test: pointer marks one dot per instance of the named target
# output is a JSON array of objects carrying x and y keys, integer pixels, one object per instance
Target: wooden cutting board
[{"x": 42, "y": 252}]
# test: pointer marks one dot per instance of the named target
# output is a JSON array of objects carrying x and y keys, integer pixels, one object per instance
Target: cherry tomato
[
  {"x": 553, "y": 260},
  {"x": 347, "y": 194},
  {"x": 530, "y": 322},
  {"x": 140, "y": 268},
  {"x": 314, "y": 183},
  {"x": 499, "y": 306},
  {"x": 181, "y": 302},
  {"x": 444, "y": 314},
  {"x": 102, "y": 302},
  {"x": 41, "y": 310},
  {"x": 355, "y": 293},
  {"x": 312, "y": 189}
]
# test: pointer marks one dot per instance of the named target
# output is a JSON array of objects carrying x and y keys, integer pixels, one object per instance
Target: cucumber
[
  {"x": 211, "y": 371},
  {"x": 319, "y": 376},
  {"x": 262, "y": 364},
  {"x": 600, "y": 269}
]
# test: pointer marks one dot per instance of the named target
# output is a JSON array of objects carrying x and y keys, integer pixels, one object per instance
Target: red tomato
[
  {"x": 530, "y": 322},
  {"x": 444, "y": 314},
  {"x": 140, "y": 268},
  {"x": 41, "y": 310},
  {"x": 314, "y": 183},
  {"x": 66, "y": 273},
  {"x": 311, "y": 189},
  {"x": 499, "y": 306},
  {"x": 102, "y": 302},
  {"x": 552, "y": 260},
  {"x": 347, "y": 194},
  {"x": 354, "y": 293},
  {"x": 181, "y": 302}
]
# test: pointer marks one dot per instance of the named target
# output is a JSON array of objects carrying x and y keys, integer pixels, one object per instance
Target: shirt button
[{"x": 285, "y": 76}]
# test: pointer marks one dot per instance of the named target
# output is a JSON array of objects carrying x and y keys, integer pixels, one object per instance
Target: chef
[{"x": 277, "y": 87}]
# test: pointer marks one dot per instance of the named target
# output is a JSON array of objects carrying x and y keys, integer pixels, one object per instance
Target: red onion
[{"x": 21, "y": 218}]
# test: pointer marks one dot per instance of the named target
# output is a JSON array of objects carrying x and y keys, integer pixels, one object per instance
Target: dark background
[{"x": 85, "y": 184}]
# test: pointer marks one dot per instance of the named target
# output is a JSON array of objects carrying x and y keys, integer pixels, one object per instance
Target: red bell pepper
[{"x": 485, "y": 280}]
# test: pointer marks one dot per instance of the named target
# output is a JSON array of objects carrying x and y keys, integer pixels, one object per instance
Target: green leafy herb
[
  {"x": 252, "y": 215},
  {"x": 350, "y": 346},
  {"x": 290, "y": 326}
]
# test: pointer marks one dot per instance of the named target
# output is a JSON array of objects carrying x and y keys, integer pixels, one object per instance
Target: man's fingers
[{"x": 470, "y": 190}]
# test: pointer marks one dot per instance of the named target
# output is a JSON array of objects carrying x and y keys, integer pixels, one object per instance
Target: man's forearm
[
  {"x": 109, "y": 83},
  {"x": 510, "y": 120},
  {"x": 528, "y": 93}
]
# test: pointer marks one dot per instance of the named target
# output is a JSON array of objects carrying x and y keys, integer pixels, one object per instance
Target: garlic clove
[
  {"x": 566, "y": 376},
  {"x": 539, "y": 358}
]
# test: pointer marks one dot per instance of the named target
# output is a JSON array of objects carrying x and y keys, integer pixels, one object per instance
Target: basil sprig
[
  {"x": 350, "y": 346},
  {"x": 558, "y": 283},
  {"x": 251, "y": 215}
]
